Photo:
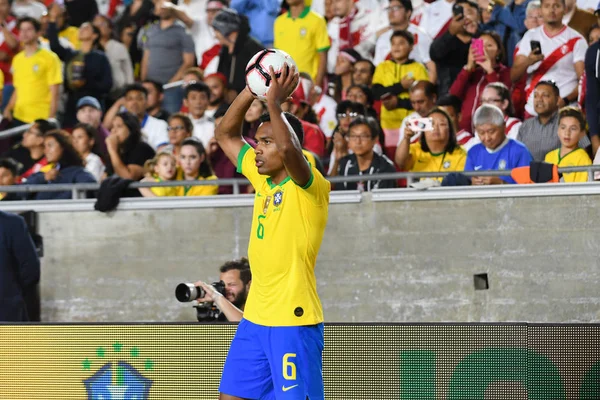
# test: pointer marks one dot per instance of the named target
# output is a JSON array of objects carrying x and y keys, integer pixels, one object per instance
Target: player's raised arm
[
  {"x": 229, "y": 132},
  {"x": 285, "y": 139}
]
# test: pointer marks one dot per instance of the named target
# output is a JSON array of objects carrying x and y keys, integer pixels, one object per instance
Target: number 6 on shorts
[{"x": 289, "y": 368}]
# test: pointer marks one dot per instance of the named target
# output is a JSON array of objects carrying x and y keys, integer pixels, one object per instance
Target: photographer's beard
[{"x": 239, "y": 299}]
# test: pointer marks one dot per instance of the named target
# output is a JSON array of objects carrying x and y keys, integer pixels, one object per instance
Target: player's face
[
  {"x": 490, "y": 135},
  {"x": 553, "y": 11},
  {"x": 569, "y": 132},
  {"x": 235, "y": 290},
  {"x": 545, "y": 102},
  {"x": 268, "y": 160},
  {"x": 360, "y": 140},
  {"x": 441, "y": 129}
]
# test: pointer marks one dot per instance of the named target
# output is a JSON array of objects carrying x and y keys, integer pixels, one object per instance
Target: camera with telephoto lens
[{"x": 207, "y": 311}]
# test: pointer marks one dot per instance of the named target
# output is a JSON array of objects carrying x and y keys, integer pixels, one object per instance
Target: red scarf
[{"x": 346, "y": 31}]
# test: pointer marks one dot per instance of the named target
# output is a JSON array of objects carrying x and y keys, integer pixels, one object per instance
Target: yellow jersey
[
  {"x": 203, "y": 190},
  {"x": 32, "y": 78},
  {"x": 2, "y": 80},
  {"x": 71, "y": 33},
  {"x": 422, "y": 161},
  {"x": 575, "y": 158},
  {"x": 288, "y": 224},
  {"x": 303, "y": 38},
  {"x": 389, "y": 73},
  {"x": 165, "y": 191}
]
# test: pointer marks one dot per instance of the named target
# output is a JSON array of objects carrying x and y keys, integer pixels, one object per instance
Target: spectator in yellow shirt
[
  {"x": 37, "y": 77},
  {"x": 571, "y": 128},
  {"x": 391, "y": 82},
  {"x": 195, "y": 166},
  {"x": 437, "y": 149},
  {"x": 161, "y": 168}
]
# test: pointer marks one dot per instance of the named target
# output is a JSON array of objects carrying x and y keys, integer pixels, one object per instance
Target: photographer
[{"x": 237, "y": 278}]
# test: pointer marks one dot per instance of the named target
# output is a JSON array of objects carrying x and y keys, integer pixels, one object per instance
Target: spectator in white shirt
[
  {"x": 28, "y": 8},
  {"x": 196, "y": 100},
  {"x": 84, "y": 141}
]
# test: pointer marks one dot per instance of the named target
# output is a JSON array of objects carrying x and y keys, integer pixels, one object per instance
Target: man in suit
[{"x": 19, "y": 267}]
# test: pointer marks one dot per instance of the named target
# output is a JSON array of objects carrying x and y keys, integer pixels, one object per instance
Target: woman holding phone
[{"x": 483, "y": 67}]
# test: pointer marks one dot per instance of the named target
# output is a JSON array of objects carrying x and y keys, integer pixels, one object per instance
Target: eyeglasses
[
  {"x": 176, "y": 128},
  {"x": 346, "y": 115},
  {"x": 393, "y": 8},
  {"x": 356, "y": 138}
]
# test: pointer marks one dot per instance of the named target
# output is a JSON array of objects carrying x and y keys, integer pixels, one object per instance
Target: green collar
[
  {"x": 563, "y": 157},
  {"x": 283, "y": 182},
  {"x": 303, "y": 14}
]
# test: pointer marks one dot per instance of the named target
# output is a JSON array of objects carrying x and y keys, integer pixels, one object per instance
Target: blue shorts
[{"x": 282, "y": 362}]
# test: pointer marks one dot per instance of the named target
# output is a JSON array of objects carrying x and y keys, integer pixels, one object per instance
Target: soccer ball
[{"x": 258, "y": 78}]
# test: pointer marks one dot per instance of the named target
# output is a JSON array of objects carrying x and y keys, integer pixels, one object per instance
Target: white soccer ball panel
[{"x": 257, "y": 70}]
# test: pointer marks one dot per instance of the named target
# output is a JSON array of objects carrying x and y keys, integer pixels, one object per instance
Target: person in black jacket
[
  {"x": 362, "y": 137},
  {"x": 238, "y": 47},
  {"x": 592, "y": 95},
  {"x": 87, "y": 71},
  {"x": 19, "y": 267}
]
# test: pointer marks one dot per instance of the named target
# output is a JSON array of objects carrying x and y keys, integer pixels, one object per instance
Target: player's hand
[
  {"x": 282, "y": 88},
  {"x": 211, "y": 293}
]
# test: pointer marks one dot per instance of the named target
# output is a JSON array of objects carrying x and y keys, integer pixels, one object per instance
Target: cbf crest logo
[
  {"x": 117, "y": 379},
  {"x": 446, "y": 164},
  {"x": 502, "y": 164},
  {"x": 278, "y": 198}
]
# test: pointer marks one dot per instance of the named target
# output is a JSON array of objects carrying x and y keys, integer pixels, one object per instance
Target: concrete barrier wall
[{"x": 380, "y": 261}]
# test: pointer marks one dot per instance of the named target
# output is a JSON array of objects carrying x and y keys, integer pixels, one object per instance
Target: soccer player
[{"x": 277, "y": 350}]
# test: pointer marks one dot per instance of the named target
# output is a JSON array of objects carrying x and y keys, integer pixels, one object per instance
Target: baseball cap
[
  {"x": 89, "y": 101},
  {"x": 226, "y": 21}
]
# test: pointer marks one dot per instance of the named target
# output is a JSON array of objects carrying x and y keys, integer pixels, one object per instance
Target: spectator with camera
[
  {"x": 237, "y": 277},
  {"x": 551, "y": 52},
  {"x": 362, "y": 137},
  {"x": 422, "y": 96}
]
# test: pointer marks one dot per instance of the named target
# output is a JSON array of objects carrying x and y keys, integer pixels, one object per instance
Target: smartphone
[
  {"x": 458, "y": 10},
  {"x": 477, "y": 45},
  {"x": 386, "y": 96},
  {"x": 536, "y": 46},
  {"x": 421, "y": 124}
]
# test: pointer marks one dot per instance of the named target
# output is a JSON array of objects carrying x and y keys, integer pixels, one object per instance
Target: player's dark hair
[
  {"x": 292, "y": 120},
  {"x": 10, "y": 164},
  {"x": 452, "y": 144},
  {"x": 241, "y": 265},
  {"x": 369, "y": 122},
  {"x": 574, "y": 113},
  {"x": 197, "y": 87}
]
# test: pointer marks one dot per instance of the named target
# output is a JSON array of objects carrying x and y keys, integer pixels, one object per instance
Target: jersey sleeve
[
  {"x": 322, "y": 37},
  {"x": 55, "y": 76},
  {"x": 525, "y": 45},
  {"x": 317, "y": 188},
  {"x": 579, "y": 51},
  {"x": 246, "y": 165},
  {"x": 469, "y": 161}
]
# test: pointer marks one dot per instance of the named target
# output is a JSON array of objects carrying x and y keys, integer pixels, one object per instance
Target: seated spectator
[
  {"x": 180, "y": 128},
  {"x": 539, "y": 133},
  {"x": 324, "y": 106},
  {"x": 84, "y": 141},
  {"x": 89, "y": 111},
  {"x": 450, "y": 51},
  {"x": 196, "y": 101},
  {"x": 87, "y": 71},
  {"x": 252, "y": 119},
  {"x": 561, "y": 59},
  {"x": 391, "y": 82},
  {"x": 9, "y": 169},
  {"x": 238, "y": 47},
  {"x": 436, "y": 151},
  {"x": 497, "y": 94},
  {"x": 217, "y": 83},
  {"x": 571, "y": 128},
  {"x": 346, "y": 112},
  {"x": 362, "y": 137},
  {"x": 193, "y": 75},
  {"x": 127, "y": 152},
  {"x": 362, "y": 73},
  {"x": 452, "y": 105},
  {"x": 496, "y": 151},
  {"x": 155, "y": 98},
  {"x": 364, "y": 95},
  {"x": 477, "y": 74},
  {"x": 29, "y": 154},
  {"x": 161, "y": 168},
  {"x": 66, "y": 166},
  {"x": 422, "y": 97},
  {"x": 344, "y": 67},
  {"x": 116, "y": 52},
  {"x": 195, "y": 166},
  {"x": 135, "y": 101}
]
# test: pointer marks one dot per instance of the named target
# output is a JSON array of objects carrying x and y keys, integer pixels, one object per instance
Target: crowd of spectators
[{"x": 135, "y": 88}]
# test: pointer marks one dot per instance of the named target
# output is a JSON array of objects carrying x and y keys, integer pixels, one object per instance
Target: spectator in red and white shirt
[
  {"x": 497, "y": 94},
  {"x": 437, "y": 17},
  {"x": 399, "y": 14},
  {"x": 354, "y": 27},
  {"x": 324, "y": 107},
  {"x": 9, "y": 46},
  {"x": 561, "y": 59}
]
